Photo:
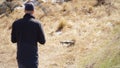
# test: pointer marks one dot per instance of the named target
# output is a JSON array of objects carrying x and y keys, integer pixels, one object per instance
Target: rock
[
  {"x": 90, "y": 66},
  {"x": 3, "y": 8},
  {"x": 68, "y": 43},
  {"x": 8, "y": 6},
  {"x": 100, "y": 2}
]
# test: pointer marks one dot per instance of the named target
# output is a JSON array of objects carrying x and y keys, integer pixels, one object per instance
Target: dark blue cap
[{"x": 29, "y": 7}]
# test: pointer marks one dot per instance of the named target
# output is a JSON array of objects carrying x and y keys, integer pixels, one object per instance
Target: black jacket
[{"x": 26, "y": 32}]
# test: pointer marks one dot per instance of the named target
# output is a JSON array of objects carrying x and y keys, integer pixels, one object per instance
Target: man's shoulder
[
  {"x": 18, "y": 20},
  {"x": 36, "y": 21}
]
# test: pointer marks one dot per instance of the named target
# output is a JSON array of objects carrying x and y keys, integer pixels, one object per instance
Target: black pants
[{"x": 21, "y": 65}]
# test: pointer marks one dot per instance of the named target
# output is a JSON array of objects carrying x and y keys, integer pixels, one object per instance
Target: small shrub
[{"x": 61, "y": 25}]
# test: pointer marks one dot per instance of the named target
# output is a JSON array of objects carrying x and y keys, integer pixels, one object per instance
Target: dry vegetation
[{"x": 95, "y": 31}]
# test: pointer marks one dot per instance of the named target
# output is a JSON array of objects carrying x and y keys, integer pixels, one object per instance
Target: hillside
[{"x": 92, "y": 33}]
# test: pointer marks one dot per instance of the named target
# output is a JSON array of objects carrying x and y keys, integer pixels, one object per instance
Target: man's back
[{"x": 27, "y": 32}]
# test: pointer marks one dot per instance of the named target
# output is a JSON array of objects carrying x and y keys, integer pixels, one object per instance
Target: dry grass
[{"x": 94, "y": 29}]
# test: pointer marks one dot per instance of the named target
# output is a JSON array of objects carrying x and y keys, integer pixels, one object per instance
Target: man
[{"x": 26, "y": 32}]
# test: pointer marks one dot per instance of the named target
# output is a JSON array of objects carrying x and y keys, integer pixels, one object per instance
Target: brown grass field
[{"x": 95, "y": 31}]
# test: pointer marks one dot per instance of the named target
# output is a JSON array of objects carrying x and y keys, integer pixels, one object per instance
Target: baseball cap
[{"x": 29, "y": 6}]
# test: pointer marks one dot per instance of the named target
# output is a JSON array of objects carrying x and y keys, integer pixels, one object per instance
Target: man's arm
[
  {"x": 41, "y": 36},
  {"x": 13, "y": 34}
]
